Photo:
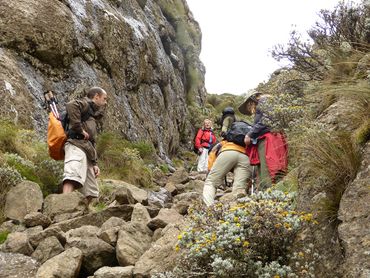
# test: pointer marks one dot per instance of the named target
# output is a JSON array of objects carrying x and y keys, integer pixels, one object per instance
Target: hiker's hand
[
  {"x": 86, "y": 135},
  {"x": 96, "y": 171},
  {"x": 247, "y": 140},
  {"x": 223, "y": 134},
  {"x": 200, "y": 150}
]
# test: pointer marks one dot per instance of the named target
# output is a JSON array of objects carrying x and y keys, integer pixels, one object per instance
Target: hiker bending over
[
  {"x": 80, "y": 163},
  {"x": 229, "y": 155},
  {"x": 266, "y": 149},
  {"x": 204, "y": 140}
]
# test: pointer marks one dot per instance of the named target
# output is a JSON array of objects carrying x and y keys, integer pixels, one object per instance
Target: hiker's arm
[
  {"x": 259, "y": 127},
  {"x": 198, "y": 139},
  {"x": 74, "y": 109}
]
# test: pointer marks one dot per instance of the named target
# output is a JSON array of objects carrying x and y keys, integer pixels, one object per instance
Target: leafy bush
[
  {"x": 146, "y": 149},
  {"x": 252, "y": 237},
  {"x": 345, "y": 24},
  {"x": 118, "y": 160},
  {"x": 8, "y": 136},
  {"x": 50, "y": 174},
  {"x": 25, "y": 167},
  {"x": 8, "y": 178},
  {"x": 3, "y": 236}
]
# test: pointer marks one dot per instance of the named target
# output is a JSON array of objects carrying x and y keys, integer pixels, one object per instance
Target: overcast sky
[{"x": 238, "y": 34}]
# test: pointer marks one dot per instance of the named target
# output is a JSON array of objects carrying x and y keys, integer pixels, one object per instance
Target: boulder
[
  {"x": 132, "y": 242},
  {"x": 18, "y": 243},
  {"x": 48, "y": 248},
  {"x": 97, "y": 218},
  {"x": 24, "y": 198},
  {"x": 114, "y": 272},
  {"x": 96, "y": 252},
  {"x": 164, "y": 217},
  {"x": 161, "y": 255},
  {"x": 17, "y": 265},
  {"x": 36, "y": 219},
  {"x": 66, "y": 264},
  {"x": 61, "y": 207}
]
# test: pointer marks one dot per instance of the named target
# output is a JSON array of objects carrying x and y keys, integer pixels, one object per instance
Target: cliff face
[{"x": 145, "y": 54}]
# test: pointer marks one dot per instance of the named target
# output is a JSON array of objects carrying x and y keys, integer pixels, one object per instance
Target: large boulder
[
  {"x": 66, "y": 264},
  {"x": 18, "y": 243},
  {"x": 96, "y": 252},
  {"x": 61, "y": 207},
  {"x": 161, "y": 255},
  {"x": 48, "y": 248},
  {"x": 133, "y": 241},
  {"x": 17, "y": 265},
  {"x": 97, "y": 218},
  {"x": 24, "y": 198}
]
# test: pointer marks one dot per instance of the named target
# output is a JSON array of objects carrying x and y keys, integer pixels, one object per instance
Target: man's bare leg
[{"x": 69, "y": 186}]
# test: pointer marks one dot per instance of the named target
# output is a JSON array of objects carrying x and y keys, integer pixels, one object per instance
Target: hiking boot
[{"x": 239, "y": 193}]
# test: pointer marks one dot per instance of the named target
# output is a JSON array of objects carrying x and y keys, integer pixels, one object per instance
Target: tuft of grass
[
  {"x": 362, "y": 134},
  {"x": 8, "y": 136},
  {"x": 332, "y": 162},
  {"x": 119, "y": 160}
]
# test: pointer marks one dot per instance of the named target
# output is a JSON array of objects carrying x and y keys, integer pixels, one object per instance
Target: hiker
[
  {"x": 229, "y": 155},
  {"x": 204, "y": 140},
  {"x": 228, "y": 117},
  {"x": 266, "y": 149},
  {"x": 80, "y": 163}
]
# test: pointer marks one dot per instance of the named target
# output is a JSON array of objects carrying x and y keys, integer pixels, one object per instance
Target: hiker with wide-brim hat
[{"x": 266, "y": 149}]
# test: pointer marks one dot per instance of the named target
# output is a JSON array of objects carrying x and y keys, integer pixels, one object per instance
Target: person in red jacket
[
  {"x": 204, "y": 139},
  {"x": 265, "y": 148}
]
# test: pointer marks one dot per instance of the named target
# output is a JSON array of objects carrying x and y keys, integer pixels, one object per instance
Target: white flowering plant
[{"x": 249, "y": 239}]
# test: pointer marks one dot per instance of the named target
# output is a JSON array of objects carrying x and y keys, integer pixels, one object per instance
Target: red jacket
[
  {"x": 205, "y": 138},
  {"x": 276, "y": 154}
]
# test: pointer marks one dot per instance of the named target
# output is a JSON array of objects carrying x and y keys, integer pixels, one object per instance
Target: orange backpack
[{"x": 56, "y": 138}]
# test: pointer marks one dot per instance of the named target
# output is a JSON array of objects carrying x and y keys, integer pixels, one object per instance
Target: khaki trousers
[{"x": 225, "y": 162}]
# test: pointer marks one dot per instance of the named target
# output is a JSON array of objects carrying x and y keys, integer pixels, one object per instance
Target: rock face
[
  {"x": 144, "y": 53},
  {"x": 354, "y": 212}
]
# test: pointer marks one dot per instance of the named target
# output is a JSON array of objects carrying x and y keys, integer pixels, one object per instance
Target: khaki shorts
[{"x": 78, "y": 168}]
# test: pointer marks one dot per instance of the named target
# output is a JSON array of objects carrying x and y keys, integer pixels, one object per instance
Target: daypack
[
  {"x": 237, "y": 132},
  {"x": 56, "y": 138},
  {"x": 59, "y": 132}
]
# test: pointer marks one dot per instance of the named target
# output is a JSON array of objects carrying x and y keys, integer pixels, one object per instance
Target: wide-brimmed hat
[{"x": 242, "y": 107}]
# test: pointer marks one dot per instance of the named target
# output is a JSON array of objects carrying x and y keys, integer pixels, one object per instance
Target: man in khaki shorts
[{"x": 80, "y": 162}]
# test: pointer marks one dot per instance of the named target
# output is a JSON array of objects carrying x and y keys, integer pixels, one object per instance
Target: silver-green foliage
[{"x": 252, "y": 238}]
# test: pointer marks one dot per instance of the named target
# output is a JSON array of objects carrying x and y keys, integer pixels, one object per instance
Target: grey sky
[{"x": 238, "y": 34}]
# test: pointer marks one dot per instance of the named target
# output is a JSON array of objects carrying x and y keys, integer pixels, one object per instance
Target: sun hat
[{"x": 243, "y": 108}]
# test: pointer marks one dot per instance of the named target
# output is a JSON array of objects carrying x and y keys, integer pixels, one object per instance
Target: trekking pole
[
  {"x": 253, "y": 179},
  {"x": 52, "y": 101}
]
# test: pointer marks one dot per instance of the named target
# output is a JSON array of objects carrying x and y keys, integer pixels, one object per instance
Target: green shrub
[
  {"x": 118, "y": 160},
  {"x": 8, "y": 136},
  {"x": 252, "y": 237},
  {"x": 146, "y": 149},
  {"x": 3, "y": 236},
  {"x": 50, "y": 174},
  {"x": 8, "y": 178},
  {"x": 25, "y": 167}
]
